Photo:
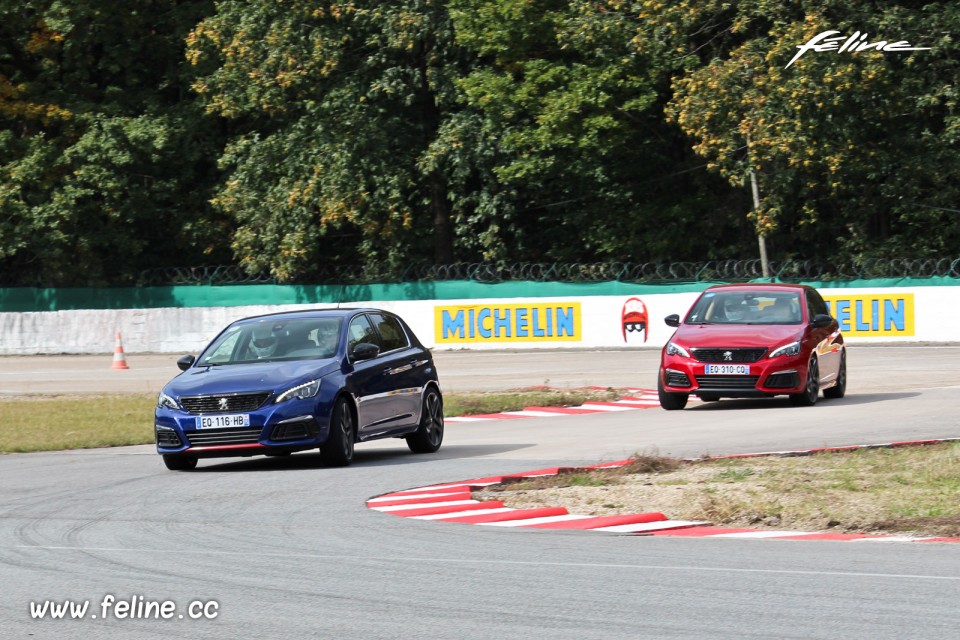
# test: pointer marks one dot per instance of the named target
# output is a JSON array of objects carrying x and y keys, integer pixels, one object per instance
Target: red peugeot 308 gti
[{"x": 753, "y": 340}]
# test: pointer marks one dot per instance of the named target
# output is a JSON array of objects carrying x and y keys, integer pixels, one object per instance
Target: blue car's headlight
[
  {"x": 165, "y": 401},
  {"x": 791, "y": 349},
  {"x": 301, "y": 391}
]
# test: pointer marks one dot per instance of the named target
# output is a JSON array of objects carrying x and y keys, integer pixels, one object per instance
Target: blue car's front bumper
[{"x": 289, "y": 426}]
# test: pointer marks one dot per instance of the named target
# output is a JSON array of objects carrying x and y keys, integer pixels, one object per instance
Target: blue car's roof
[{"x": 341, "y": 312}]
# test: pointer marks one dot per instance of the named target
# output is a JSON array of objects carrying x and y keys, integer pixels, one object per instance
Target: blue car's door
[
  {"x": 402, "y": 368},
  {"x": 382, "y": 384}
]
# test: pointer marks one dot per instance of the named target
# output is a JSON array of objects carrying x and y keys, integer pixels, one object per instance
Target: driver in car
[{"x": 263, "y": 343}]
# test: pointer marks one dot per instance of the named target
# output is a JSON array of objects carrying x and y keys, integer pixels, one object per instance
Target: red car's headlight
[
  {"x": 791, "y": 349},
  {"x": 673, "y": 349}
]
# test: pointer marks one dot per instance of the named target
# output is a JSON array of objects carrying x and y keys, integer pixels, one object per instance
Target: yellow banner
[
  {"x": 873, "y": 314},
  {"x": 540, "y": 322}
]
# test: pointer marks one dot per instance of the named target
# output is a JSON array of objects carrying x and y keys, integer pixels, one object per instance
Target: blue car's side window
[
  {"x": 360, "y": 330},
  {"x": 392, "y": 336}
]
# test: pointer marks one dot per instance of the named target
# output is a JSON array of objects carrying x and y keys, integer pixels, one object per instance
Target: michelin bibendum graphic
[{"x": 634, "y": 321}]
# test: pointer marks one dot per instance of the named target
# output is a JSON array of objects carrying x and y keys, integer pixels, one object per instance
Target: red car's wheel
[
  {"x": 812, "y": 389},
  {"x": 839, "y": 389},
  {"x": 668, "y": 400}
]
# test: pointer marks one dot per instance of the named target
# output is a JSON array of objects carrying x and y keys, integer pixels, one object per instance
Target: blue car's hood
[{"x": 239, "y": 378}]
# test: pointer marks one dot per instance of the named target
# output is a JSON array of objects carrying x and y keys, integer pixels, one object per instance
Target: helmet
[
  {"x": 263, "y": 343},
  {"x": 734, "y": 309}
]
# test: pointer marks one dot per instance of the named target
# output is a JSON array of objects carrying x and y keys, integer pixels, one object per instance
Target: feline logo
[{"x": 827, "y": 41}]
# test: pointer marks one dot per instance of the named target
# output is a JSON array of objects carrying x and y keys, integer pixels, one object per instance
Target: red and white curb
[
  {"x": 453, "y": 502},
  {"x": 637, "y": 399}
]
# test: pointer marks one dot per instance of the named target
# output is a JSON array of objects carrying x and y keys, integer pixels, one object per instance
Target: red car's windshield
[{"x": 746, "y": 307}]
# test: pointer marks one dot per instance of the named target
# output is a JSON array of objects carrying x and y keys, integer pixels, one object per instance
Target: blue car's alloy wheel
[
  {"x": 428, "y": 437},
  {"x": 338, "y": 451}
]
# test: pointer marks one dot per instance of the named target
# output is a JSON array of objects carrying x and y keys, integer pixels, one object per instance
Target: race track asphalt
[{"x": 288, "y": 549}]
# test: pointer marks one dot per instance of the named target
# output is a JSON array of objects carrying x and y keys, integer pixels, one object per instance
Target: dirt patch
[{"x": 908, "y": 491}]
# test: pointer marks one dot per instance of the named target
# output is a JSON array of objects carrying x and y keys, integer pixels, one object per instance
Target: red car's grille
[
  {"x": 223, "y": 402},
  {"x": 734, "y": 354},
  {"x": 727, "y": 382}
]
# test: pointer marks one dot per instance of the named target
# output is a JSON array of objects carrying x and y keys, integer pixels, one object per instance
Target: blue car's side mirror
[
  {"x": 365, "y": 351},
  {"x": 185, "y": 362}
]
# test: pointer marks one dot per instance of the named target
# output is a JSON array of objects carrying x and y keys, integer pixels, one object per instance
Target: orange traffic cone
[{"x": 119, "y": 360}]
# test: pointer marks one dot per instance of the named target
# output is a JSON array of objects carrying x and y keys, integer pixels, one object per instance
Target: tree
[
  {"x": 854, "y": 151},
  {"x": 335, "y": 111},
  {"x": 592, "y": 170},
  {"x": 107, "y": 160}
]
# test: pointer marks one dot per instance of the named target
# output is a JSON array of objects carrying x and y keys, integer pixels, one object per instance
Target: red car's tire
[
  {"x": 811, "y": 390},
  {"x": 669, "y": 400},
  {"x": 839, "y": 389}
]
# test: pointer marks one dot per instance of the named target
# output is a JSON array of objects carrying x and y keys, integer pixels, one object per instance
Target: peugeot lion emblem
[
  {"x": 728, "y": 356},
  {"x": 223, "y": 404}
]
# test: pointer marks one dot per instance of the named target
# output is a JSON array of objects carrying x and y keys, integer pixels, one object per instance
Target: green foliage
[
  {"x": 105, "y": 158},
  {"x": 338, "y": 109},
  {"x": 854, "y": 152},
  {"x": 582, "y": 146},
  {"x": 292, "y": 135}
]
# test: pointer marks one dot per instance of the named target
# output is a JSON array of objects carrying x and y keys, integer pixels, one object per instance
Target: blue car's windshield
[
  {"x": 740, "y": 307},
  {"x": 272, "y": 339}
]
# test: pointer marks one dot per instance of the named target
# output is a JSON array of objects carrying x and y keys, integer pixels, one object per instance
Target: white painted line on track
[
  {"x": 423, "y": 505},
  {"x": 485, "y": 561},
  {"x": 895, "y": 539},
  {"x": 763, "y": 534},
  {"x": 529, "y": 521},
  {"x": 662, "y": 525},
  {"x": 417, "y": 496},
  {"x": 460, "y": 514},
  {"x": 532, "y": 414}
]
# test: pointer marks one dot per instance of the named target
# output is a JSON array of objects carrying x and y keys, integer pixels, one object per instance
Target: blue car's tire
[
  {"x": 428, "y": 437},
  {"x": 179, "y": 462},
  {"x": 338, "y": 450}
]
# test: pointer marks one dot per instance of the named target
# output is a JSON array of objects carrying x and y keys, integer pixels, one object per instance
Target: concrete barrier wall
[{"x": 543, "y": 318}]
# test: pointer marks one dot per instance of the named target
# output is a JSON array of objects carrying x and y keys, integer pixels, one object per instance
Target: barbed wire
[{"x": 582, "y": 272}]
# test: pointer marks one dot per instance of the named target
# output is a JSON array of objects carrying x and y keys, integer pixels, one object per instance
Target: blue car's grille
[
  {"x": 211, "y": 437},
  {"x": 224, "y": 402}
]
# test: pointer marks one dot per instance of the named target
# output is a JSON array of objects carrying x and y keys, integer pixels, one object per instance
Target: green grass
[
  {"x": 472, "y": 403},
  {"x": 43, "y": 423}
]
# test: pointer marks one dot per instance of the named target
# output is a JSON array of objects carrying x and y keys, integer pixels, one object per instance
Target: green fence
[{"x": 18, "y": 300}]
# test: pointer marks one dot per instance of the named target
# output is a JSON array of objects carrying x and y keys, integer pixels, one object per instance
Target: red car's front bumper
[{"x": 764, "y": 377}]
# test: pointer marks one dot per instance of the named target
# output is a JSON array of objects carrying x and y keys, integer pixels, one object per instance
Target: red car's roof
[{"x": 760, "y": 286}]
